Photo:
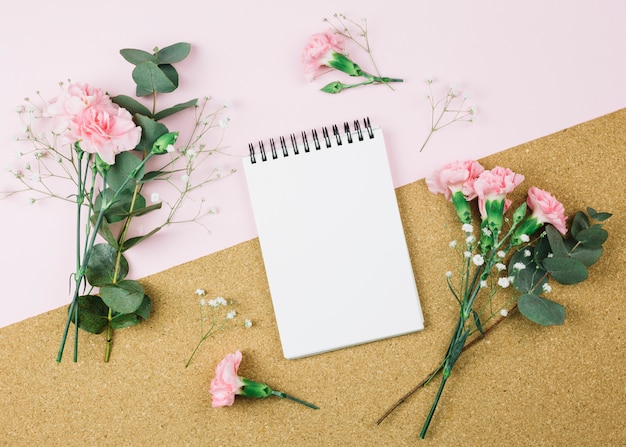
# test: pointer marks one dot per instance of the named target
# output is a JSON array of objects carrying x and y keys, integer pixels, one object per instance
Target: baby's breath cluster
[
  {"x": 452, "y": 107},
  {"x": 216, "y": 315}
]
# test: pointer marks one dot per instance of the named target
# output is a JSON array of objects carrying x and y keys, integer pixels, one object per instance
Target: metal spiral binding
[{"x": 327, "y": 140}]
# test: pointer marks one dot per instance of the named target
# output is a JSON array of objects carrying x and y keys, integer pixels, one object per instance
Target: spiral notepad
[{"x": 332, "y": 240}]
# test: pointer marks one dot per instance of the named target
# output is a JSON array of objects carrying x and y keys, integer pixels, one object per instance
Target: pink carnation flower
[
  {"x": 319, "y": 51},
  {"x": 87, "y": 115},
  {"x": 546, "y": 209},
  {"x": 494, "y": 185},
  {"x": 454, "y": 177},
  {"x": 226, "y": 383}
]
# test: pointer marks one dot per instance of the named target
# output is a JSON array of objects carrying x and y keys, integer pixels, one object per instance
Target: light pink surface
[{"x": 530, "y": 68}]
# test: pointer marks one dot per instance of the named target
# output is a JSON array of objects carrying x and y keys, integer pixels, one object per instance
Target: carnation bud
[{"x": 163, "y": 142}]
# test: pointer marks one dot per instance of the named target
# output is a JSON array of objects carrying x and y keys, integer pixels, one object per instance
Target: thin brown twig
[{"x": 413, "y": 390}]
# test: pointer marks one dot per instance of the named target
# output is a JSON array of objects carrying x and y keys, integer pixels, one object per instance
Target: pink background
[{"x": 530, "y": 68}]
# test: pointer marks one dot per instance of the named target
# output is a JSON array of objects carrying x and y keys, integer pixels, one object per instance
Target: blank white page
[{"x": 333, "y": 245}]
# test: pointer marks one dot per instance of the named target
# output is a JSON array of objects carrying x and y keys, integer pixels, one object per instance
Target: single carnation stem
[
  {"x": 295, "y": 399},
  {"x": 433, "y": 407}
]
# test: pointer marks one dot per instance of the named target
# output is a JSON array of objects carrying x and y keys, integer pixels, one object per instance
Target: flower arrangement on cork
[
  {"x": 109, "y": 149},
  {"x": 507, "y": 256}
]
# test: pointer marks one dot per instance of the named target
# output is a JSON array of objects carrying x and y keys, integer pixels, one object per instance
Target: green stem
[
  {"x": 295, "y": 399},
  {"x": 107, "y": 351},
  {"x": 433, "y": 407}
]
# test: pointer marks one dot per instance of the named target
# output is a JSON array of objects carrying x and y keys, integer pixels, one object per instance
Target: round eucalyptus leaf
[
  {"x": 125, "y": 297},
  {"x": 583, "y": 253},
  {"x": 566, "y": 270},
  {"x": 100, "y": 269},
  {"x": 92, "y": 314},
  {"x": 541, "y": 310},
  {"x": 592, "y": 237},
  {"x": 121, "y": 321}
]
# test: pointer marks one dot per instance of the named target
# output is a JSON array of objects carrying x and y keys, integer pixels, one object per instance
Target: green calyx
[{"x": 255, "y": 389}]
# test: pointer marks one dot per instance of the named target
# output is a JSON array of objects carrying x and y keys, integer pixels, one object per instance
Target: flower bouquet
[
  {"x": 109, "y": 148},
  {"x": 506, "y": 249}
]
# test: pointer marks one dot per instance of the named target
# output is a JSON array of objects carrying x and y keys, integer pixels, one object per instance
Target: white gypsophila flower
[
  {"x": 483, "y": 284},
  {"x": 524, "y": 238},
  {"x": 224, "y": 122},
  {"x": 190, "y": 154},
  {"x": 504, "y": 312},
  {"x": 486, "y": 231},
  {"x": 202, "y": 302},
  {"x": 467, "y": 254},
  {"x": 213, "y": 303},
  {"x": 230, "y": 315},
  {"x": 478, "y": 260},
  {"x": 185, "y": 178},
  {"x": 501, "y": 254},
  {"x": 547, "y": 288},
  {"x": 527, "y": 253},
  {"x": 200, "y": 292},
  {"x": 470, "y": 240},
  {"x": 500, "y": 266},
  {"x": 504, "y": 282},
  {"x": 35, "y": 177},
  {"x": 452, "y": 244},
  {"x": 247, "y": 323},
  {"x": 170, "y": 148},
  {"x": 519, "y": 266},
  {"x": 227, "y": 104},
  {"x": 550, "y": 255},
  {"x": 155, "y": 197},
  {"x": 468, "y": 228},
  {"x": 448, "y": 274},
  {"x": 221, "y": 301}
]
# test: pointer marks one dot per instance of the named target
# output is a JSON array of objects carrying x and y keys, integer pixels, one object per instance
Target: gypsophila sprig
[
  {"x": 507, "y": 269},
  {"x": 452, "y": 107},
  {"x": 216, "y": 315},
  {"x": 110, "y": 150}
]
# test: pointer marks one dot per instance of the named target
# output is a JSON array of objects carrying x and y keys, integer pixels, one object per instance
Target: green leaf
[
  {"x": 556, "y": 241},
  {"x": 120, "y": 209},
  {"x": 530, "y": 278},
  {"x": 175, "y": 109},
  {"x": 592, "y": 237},
  {"x": 129, "y": 243},
  {"x": 92, "y": 314},
  {"x": 121, "y": 321},
  {"x": 148, "y": 176},
  {"x": 144, "y": 309},
  {"x": 125, "y": 165},
  {"x": 100, "y": 269},
  {"x": 542, "y": 250},
  {"x": 137, "y": 56},
  {"x": 132, "y": 105},
  {"x": 150, "y": 132},
  {"x": 173, "y": 53},
  {"x": 600, "y": 217},
  {"x": 150, "y": 78},
  {"x": 579, "y": 223},
  {"x": 566, "y": 270},
  {"x": 145, "y": 210},
  {"x": 541, "y": 310},
  {"x": 584, "y": 254},
  {"x": 479, "y": 326},
  {"x": 104, "y": 230},
  {"x": 170, "y": 72},
  {"x": 125, "y": 297}
]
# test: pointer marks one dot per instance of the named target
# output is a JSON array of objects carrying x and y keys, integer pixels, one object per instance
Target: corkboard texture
[{"x": 521, "y": 385}]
